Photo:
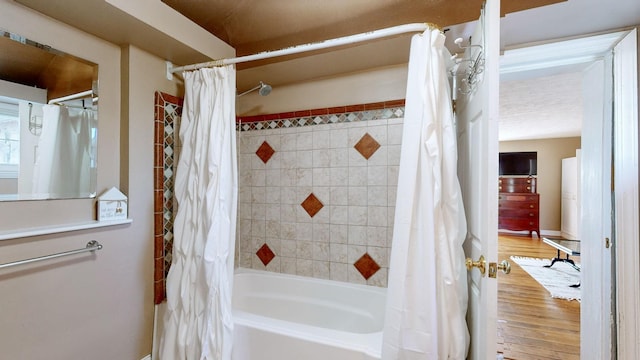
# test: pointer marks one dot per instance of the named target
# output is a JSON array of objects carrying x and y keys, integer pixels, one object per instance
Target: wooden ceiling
[
  {"x": 252, "y": 26},
  {"x": 38, "y": 66}
]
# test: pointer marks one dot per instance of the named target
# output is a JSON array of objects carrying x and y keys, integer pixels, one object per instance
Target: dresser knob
[
  {"x": 528, "y": 181},
  {"x": 531, "y": 206},
  {"x": 531, "y": 214},
  {"x": 528, "y": 187}
]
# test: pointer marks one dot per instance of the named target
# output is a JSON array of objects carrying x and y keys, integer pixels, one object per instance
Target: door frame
[
  {"x": 627, "y": 233},
  {"x": 587, "y": 50}
]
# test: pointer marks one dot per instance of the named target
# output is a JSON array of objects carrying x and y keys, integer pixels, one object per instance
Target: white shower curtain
[
  {"x": 63, "y": 163},
  {"x": 198, "y": 321},
  {"x": 427, "y": 293}
]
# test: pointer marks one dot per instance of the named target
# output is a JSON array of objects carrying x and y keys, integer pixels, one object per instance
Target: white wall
[
  {"x": 77, "y": 307},
  {"x": 84, "y": 306}
]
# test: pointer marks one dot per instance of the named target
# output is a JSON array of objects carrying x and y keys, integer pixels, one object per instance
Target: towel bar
[{"x": 92, "y": 245}]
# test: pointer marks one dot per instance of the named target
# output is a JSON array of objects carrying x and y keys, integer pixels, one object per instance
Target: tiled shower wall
[
  {"x": 167, "y": 115},
  {"x": 317, "y": 192}
]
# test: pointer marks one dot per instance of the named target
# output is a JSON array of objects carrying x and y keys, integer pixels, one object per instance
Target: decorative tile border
[
  {"x": 167, "y": 113},
  {"x": 344, "y": 114}
]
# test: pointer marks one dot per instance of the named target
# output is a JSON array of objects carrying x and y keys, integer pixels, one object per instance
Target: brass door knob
[
  {"x": 504, "y": 265},
  {"x": 481, "y": 264}
]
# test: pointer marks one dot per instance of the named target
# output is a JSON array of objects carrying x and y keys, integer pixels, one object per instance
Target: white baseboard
[
  {"x": 542, "y": 232},
  {"x": 550, "y": 232},
  {"x": 148, "y": 357}
]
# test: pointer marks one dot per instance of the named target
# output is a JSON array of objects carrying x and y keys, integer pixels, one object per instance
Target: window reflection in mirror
[{"x": 48, "y": 122}]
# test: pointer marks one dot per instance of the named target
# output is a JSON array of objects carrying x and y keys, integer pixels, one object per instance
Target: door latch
[
  {"x": 481, "y": 264},
  {"x": 504, "y": 265}
]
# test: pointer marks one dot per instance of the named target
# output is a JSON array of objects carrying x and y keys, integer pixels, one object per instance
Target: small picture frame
[{"x": 112, "y": 205}]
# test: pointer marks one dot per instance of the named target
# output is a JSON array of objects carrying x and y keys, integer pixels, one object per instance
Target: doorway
[
  {"x": 531, "y": 323},
  {"x": 599, "y": 289}
]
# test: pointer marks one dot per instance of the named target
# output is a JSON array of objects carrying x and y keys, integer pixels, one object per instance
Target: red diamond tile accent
[
  {"x": 366, "y": 266},
  {"x": 265, "y": 152},
  {"x": 265, "y": 254},
  {"x": 367, "y": 146},
  {"x": 312, "y": 205}
]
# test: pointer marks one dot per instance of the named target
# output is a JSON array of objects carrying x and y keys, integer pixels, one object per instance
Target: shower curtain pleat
[
  {"x": 427, "y": 291},
  {"x": 198, "y": 321}
]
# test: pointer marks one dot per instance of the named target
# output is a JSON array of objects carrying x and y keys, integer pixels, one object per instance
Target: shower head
[{"x": 264, "y": 89}]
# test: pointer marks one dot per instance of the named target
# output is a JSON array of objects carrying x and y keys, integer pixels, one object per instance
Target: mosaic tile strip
[
  {"x": 265, "y": 152},
  {"x": 366, "y": 266},
  {"x": 345, "y": 114},
  {"x": 367, "y": 146},
  {"x": 312, "y": 205},
  {"x": 265, "y": 254},
  {"x": 167, "y": 114}
]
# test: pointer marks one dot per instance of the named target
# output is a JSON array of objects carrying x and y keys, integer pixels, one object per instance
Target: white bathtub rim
[
  {"x": 354, "y": 308},
  {"x": 369, "y": 344},
  {"x": 326, "y": 304}
]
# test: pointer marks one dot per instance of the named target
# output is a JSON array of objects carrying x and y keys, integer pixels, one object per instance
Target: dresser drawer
[
  {"x": 518, "y": 224},
  {"x": 516, "y": 188},
  {"x": 518, "y": 202},
  {"x": 518, "y": 197},
  {"x": 518, "y": 205},
  {"x": 518, "y": 213},
  {"x": 517, "y": 185}
]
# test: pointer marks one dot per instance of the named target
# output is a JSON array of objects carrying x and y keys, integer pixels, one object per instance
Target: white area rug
[{"x": 556, "y": 279}]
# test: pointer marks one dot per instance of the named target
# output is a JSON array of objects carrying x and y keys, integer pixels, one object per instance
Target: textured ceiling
[{"x": 541, "y": 105}]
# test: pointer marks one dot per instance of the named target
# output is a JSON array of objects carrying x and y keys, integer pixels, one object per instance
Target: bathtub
[{"x": 280, "y": 316}]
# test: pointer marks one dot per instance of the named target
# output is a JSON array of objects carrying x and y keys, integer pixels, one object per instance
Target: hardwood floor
[{"x": 532, "y": 324}]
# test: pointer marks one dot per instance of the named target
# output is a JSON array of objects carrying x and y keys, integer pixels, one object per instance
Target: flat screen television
[{"x": 518, "y": 163}]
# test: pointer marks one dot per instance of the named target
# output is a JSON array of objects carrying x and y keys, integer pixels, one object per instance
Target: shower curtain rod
[
  {"x": 79, "y": 95},
  {"x": 346, "y": 40}
]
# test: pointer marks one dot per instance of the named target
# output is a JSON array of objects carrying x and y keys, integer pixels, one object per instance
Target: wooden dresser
[{"x": 518, "y": 204}]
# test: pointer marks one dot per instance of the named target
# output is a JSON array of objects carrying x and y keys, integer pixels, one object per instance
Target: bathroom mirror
[{"x": 48, "y": 122}]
